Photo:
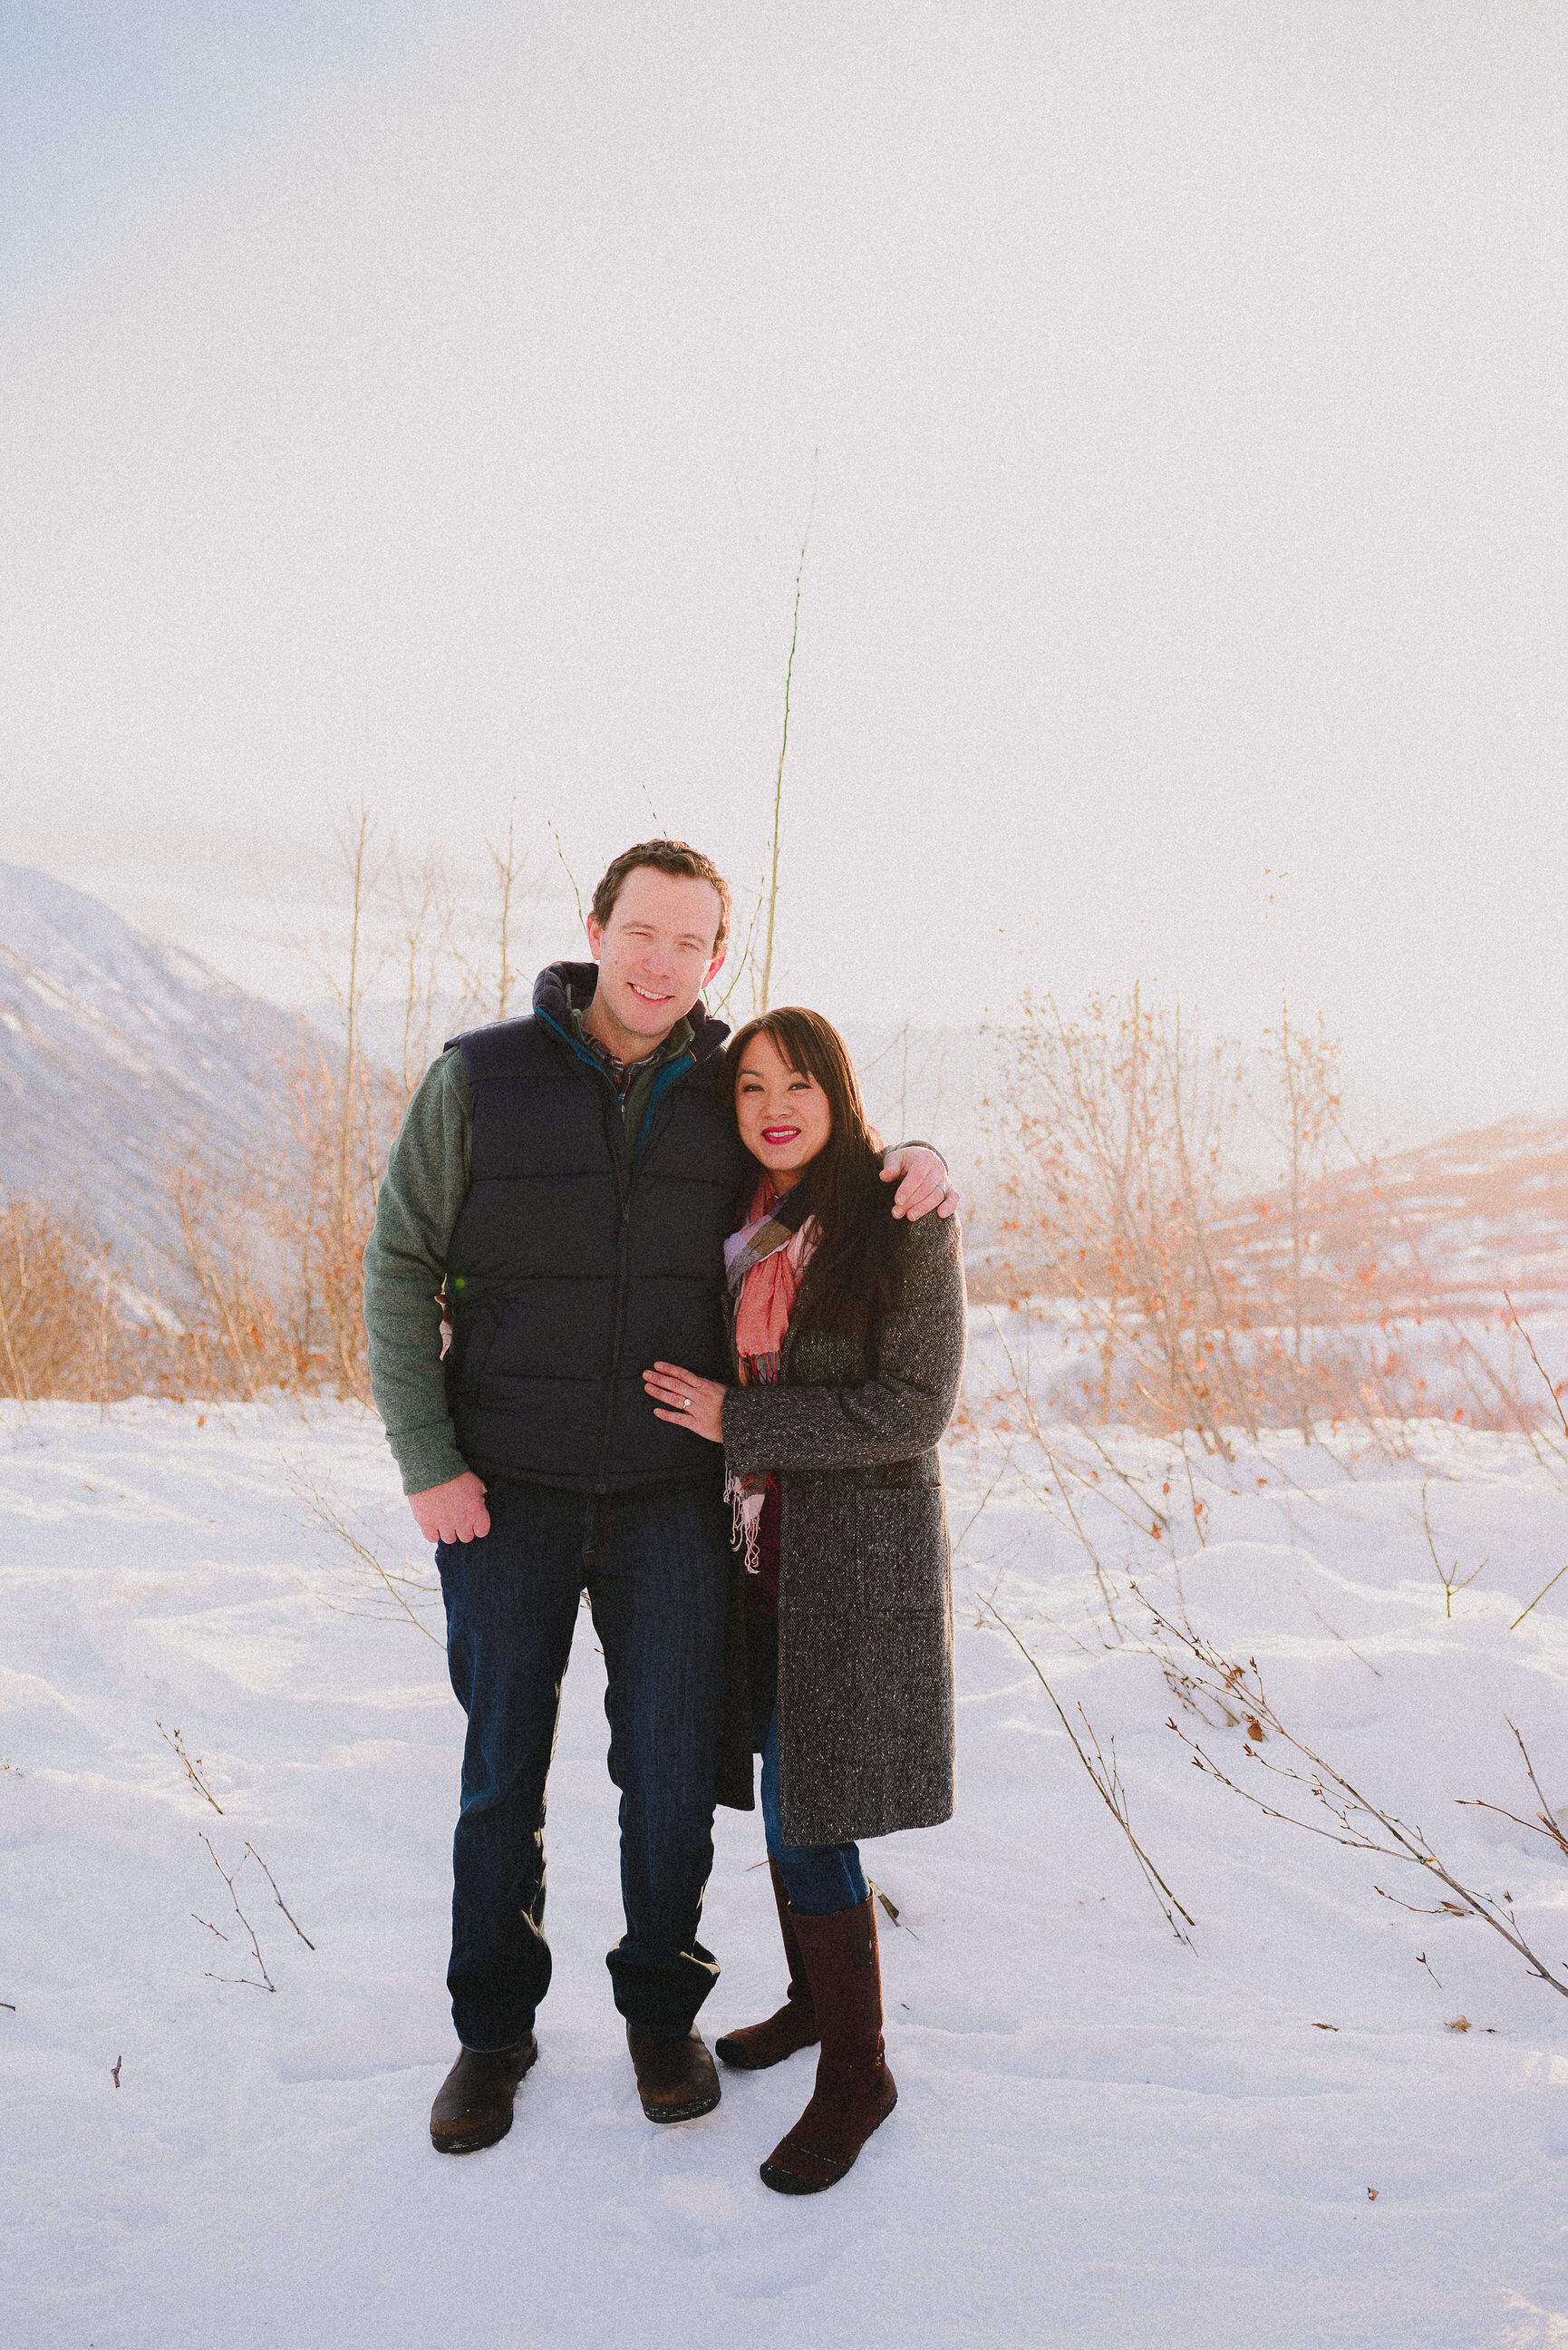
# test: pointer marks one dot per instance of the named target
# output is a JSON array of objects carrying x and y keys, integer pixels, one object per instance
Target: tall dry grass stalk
[
  {"x": 769, "y": 894},
  {"x": 1306, "y": 1068}
]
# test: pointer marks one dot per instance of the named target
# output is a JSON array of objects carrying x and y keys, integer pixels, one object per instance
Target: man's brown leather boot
[
  {"x": 675, "y": 2074},
  {"x": 793, "y": 2025},
  {"x": 473, "y": 2104},
  {"x": 855, "y": 2092}
]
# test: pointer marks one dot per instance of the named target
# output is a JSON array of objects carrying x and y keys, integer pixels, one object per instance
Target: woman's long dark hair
[{"x": 855, "y": 1276}]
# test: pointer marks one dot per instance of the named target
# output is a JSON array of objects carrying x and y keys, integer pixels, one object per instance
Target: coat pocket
[
  {"x": 470, "y": 1351},
  {"x": 901, "y": 1552}
]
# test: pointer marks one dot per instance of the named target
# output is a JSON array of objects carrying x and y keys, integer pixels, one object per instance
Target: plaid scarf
[{"x": 765, "y": 1264}]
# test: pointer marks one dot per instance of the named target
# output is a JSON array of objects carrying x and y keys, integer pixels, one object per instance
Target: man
[{"x": 565, "y": 1181}]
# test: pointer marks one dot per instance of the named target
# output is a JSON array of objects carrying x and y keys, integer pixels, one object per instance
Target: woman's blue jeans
[{"x": 818, "y": 1878}]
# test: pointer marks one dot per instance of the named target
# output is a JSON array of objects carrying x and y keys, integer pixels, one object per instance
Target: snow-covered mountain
[{"x": 121, "y": 1058}]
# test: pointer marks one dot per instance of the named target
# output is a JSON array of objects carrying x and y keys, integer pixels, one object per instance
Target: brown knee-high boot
[
  {"x": 855, "y": 2092},
  {"x": 757, "y": 2046}
]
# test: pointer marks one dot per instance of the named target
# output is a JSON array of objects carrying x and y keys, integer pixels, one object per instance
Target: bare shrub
[
  {"x": 265, "y": 1285},
  {"x": 268, "y": 1277},
  {"x": 1208, "y": 1306},
  {"x": 69, "y": 1322},
  {"x": 1117, "y": 1160},
  {"x": 261, "y": 1980},
  {"x": 1310, "y": 1792}
]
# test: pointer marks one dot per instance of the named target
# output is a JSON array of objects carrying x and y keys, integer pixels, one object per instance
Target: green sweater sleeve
[{"x": 424, "y": 1189}]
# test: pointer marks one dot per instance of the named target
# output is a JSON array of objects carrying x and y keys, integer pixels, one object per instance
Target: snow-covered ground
[{"x": 1103, "y": 2138}]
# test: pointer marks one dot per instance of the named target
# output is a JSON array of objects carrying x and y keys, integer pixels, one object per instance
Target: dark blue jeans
[
  {"x": 818, "y": 1878},
  {"x": 655, "y": 1564}
]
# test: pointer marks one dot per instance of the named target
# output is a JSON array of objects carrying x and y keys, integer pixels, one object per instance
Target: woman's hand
[{"x": 689, "y": 1401}]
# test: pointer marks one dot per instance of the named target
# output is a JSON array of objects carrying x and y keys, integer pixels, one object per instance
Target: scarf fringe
[{"x": 745, "y": 1496}]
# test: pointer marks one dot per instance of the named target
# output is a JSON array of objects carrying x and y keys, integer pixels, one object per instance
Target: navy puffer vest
[{"x": 568, "y": 1274}]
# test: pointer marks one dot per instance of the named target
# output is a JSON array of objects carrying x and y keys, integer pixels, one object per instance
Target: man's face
[{"x": 655, "y": 954}]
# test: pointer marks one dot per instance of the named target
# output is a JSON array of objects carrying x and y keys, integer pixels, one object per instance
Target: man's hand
[
  {"x": 454, "y": 1511},
  {"x": 921, "y": 1175}
]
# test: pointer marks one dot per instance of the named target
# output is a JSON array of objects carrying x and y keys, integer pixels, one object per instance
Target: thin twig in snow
[
  {"x": 1061, "y": 1464},
  {"x": 266, "y": 1982},
  {"x": 1108, "y": 1786},
  {"x": 1450, "y": 1578},
  {"x": 1538, "y": 1598},
  {"x": 278, "y": 1897},
  {"x": 1546, "y": 1822},
  {"x": 328, "y": 1516},
  {"x": 892, "y": 1909},
  {"x": 192, "y": 1769},
  {"x": 1425, "y": 1908}
]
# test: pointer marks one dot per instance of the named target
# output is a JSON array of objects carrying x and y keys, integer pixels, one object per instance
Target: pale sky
[{"x": 423, "y": 403}]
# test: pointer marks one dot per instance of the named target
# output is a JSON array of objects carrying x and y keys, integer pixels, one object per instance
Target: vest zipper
[
  {"x": 626, "y": 1177},
  {"x": 614, "y": 1132}
]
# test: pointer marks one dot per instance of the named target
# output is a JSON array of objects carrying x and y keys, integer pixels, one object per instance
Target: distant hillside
[
  {"x": 120, "y": 1057},
  {"x": 1450, "y": 1225},
  {"x": 1444, "y": 1228}
]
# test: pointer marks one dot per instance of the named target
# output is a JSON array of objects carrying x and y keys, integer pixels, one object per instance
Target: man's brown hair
[{"x": 677, "y": 856}]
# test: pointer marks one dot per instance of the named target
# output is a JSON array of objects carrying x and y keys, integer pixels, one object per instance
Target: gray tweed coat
[{"x": 866, "y": 1678}]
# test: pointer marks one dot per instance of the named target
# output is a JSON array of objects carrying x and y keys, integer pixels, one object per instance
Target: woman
[{"x": 847, "y": 1330}]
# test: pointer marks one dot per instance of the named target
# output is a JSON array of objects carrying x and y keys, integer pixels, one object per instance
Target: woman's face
[{"x": 783, "y": 1114}]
